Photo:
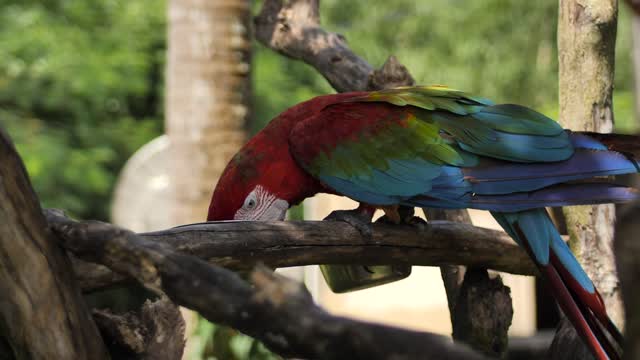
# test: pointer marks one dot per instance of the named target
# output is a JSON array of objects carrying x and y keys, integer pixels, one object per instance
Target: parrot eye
[
  {"x": 262, "y": 205},
  {"x": 251, "y": 201}
]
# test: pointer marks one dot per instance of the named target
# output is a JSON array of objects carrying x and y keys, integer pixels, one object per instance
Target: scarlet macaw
[{"x": 441, "y": 148}]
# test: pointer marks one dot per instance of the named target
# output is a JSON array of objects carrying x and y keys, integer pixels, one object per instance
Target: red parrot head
[
  {"x": 247, "y": 190},
  {"x": 263, "y": 180}
]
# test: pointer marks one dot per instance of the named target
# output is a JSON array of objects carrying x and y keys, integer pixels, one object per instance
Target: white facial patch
[{"x": 260, "y": 205}]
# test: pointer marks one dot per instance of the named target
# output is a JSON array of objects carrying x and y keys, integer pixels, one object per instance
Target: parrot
[{"x": 437, "y": 147}]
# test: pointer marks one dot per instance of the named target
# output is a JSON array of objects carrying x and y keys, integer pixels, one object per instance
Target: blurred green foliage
[
  {"x": 80, "y": 90},
  {"x": 212, "y": 342},
  {"x": 81, "y": 83}
]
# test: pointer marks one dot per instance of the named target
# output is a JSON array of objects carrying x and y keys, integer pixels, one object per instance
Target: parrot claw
[
  {"x": 402, "y": 215},
  {"x": 417, "y": 222},
  {"x": 359, "y": 220},
  {"x": 413, "y": 221}
]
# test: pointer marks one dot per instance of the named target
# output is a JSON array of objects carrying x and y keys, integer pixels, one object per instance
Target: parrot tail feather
[
  {"x": 593, "y": 301},
  {"x": 581, "y": 319},
  {"x": 565, "y": 278}
]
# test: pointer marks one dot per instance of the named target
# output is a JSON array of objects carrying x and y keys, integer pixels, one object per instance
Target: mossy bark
[{"x": 586, "y": 48}]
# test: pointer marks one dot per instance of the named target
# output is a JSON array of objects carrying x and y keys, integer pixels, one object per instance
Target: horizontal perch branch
[
  {"x": 242, "y": 245},
  {"x": 275, "y": 310}
]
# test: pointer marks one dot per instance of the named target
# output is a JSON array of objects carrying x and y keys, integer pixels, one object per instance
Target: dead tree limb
[
  {"x": 292, "y": 28},
  {"x": 277, "y": 311},
  {"x": 42, "y": 315},
  {"x": 242, "y": 245}
]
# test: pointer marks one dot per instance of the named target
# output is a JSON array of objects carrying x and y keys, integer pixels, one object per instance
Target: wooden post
[{"x": 208, "y": 96}]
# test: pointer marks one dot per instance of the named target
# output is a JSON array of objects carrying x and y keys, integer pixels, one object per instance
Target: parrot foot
[
  {"x": 402, "y": 215},
  {"x": 417, "y": 221},
  {"x": 356, "y": 218}
]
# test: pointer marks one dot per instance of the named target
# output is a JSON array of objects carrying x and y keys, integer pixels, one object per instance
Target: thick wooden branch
[
  {"x": 42, "y": 314},
  {"x": 242, "y": 245},
  {"x": 292, "y": 28},
  {"x": 277, "y": 311}
]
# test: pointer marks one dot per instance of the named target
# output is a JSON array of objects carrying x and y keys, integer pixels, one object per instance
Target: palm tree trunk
[
  {"x": 208, "y": 95},
  {"x": 207, "y": 98}
]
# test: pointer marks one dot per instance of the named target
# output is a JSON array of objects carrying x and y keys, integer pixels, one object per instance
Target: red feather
[{"x": 265, "y": 158}]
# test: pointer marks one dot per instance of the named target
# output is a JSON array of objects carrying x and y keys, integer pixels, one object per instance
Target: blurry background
[{"x": 82, "y": 87}]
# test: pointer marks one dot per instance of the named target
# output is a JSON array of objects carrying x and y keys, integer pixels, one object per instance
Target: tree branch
[
  {"x": 292, "y": 29},
  {"x": 242, "y": 245},
  {"x": 275, "y": 310}
]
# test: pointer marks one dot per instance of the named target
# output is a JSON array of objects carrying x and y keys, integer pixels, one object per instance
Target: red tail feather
[
  {"x": 586, "y": 311},
  {"x": 592, "y": 308},
  {"x": 572, "y": 311}
]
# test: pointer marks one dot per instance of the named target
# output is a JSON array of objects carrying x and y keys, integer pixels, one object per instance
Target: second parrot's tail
[{"x": 570, "y": 285}]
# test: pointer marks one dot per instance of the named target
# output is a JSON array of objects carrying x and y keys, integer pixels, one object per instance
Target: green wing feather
[{"x": 479, "y": 126}]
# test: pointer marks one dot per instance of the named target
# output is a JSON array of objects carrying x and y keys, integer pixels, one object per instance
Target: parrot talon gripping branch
[
  {"x": 436, "y": 147},
  {"x": 361, "y": 220}
]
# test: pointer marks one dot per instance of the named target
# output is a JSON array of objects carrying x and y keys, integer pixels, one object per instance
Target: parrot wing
[{"x": 416, "y": 144}]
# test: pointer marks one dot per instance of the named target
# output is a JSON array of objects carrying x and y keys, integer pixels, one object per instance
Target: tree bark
[
  {"x": 627, "y": 249},
  {"x": 208, "y": 96},
  {"x": 586, "y": 47},
  {"x": 155, "y": 332},
  {"x": 42, "y": 314}
]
